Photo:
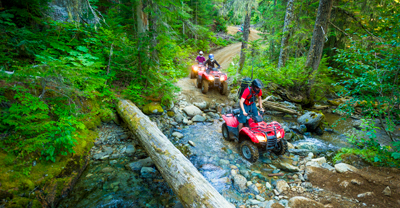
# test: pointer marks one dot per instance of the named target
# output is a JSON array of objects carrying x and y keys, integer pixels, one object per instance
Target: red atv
[
  {"x": 195, "y": 69},
  {"x": 255, "y": 136},
  {"x": 212, "y": 78}
]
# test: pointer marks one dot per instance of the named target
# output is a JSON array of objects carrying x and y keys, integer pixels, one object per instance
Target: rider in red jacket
[{"x": 247, "y": 102}]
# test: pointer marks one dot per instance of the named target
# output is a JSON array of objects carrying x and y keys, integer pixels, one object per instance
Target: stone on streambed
[
  {"x": 307, "y": 145},
  {"x": 148, "y": 172},
  {"x": 288, "y": 167},
  {"x": 239, "y": 182},
  {"x": 320, "y": 160},
  {"x": 282, "y": 185},
  {"x": 253, "y": 189},
  {"x": 201, "y": 105},
  {"x": 312, "y": 120},
  {"x": 130, "y": 149},
  {"x": 192, "y": 111},
  {"x": 177, "y": 135},
  {"x": 301, "y": 152},
  {"x": 135, "y": 166},
  {"x": 328, "y": 167},
  {"x": 198, "y": 118},
  {"x": 153, "y": 108},
  {"x": 343, "y": 167},
  {"x": 299, "y": 201},
  {"x": 179, "y": 117}
]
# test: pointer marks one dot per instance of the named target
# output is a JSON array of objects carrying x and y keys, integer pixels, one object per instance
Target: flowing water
[{"x": 109, "y": 184}]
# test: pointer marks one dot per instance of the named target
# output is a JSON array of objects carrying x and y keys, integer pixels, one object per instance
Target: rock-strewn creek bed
[{"x": 120, "y": 173}]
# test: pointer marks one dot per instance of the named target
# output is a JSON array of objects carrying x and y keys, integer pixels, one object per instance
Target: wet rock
[
  {"x": 253, "y": 189},
  {"x": 288, "y": 167},
  {"x": 210, "y": 167},
  {"x": 301, "y": 152},
  {"x": 148, "y": 172},
  {"x": 312, "y": 120},
  {"x": 366, "y": 194},
  {"x": 282, "y": 186},
  {"x": 192, "y": 111},
  {"x": 259, "y": 198},
  {"x": 249, "y": 183},
  {"x": 191, "y": 143},
  {"x": 135, "y": 166},
  {"x": 177, "y": 135},
  {"x": 202, "y": 105},
  {"x": 268, "y": 186},
  {"x": 327, "y": 166},
  {"x": 307, "y": 145},
  {"x": 299, "y": 201},
  {"x": 223, "y": 162},
  {"x": 153, "y": 108},
  {"x": 130, "y": 149},
  {"x": 343, "y": 167},
  {"x": 185, "y": 121},
  {"x": 198, "y": 118},
  {"x": 107, "y": 170},
  {"x": 387, "y": 191},
  {"x": 312, "y": 164},
  {"x": 100, "y": 156},
  {"x": 115, "y": 156},
  {"x": 253, "y": 202},
  {"x": 320, "y": 160},
  {"x": 290, "y": 145},
  {"x": 266, "y": 160},
  {"x": 179, "y": 118},
  {"x": 267, "y": 204},
  {"x": 239, "y": 182}
]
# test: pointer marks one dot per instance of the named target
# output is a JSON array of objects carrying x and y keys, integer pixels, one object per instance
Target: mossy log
[
  {"x": 278, "y": 107},
  {"x": 192, "y": 189}
]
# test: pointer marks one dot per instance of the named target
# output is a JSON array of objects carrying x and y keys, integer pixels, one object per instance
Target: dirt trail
[{"x": 224, "y": 57}]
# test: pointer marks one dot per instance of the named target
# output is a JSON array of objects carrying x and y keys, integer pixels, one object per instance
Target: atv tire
[
  {"x": 204, "y": 87},
  {"x": 198, "y": 82},
  {"x": 225, "y": 132},
  {"x": 224, "y": 88},
  {"x": 282, "y": 147},
  {"x": 192, "y": 75},
  {"x": 249, "y": 151}
]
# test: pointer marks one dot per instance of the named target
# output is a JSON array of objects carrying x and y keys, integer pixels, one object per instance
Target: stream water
[{"x": 110, "y": 184}]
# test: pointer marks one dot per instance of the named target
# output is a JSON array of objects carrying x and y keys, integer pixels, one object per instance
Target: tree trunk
[
  {"x": 140, "y": 18},
  {"x": 272, "y": 41},
  {"x": 286, "y": 34},
  {"x": 317, "y": 44},
  {"x": 246, "y": 28},
  {"x": 188, "y": 184},
  {"x": 153, "y": 30}
]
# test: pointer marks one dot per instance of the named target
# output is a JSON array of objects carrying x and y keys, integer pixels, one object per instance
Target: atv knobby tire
[
  {"x": 249, "y": 151},
  {"x": 282, "y": 147},
  {"x": 224, "y": 88},
  {"x": 192, "y": 75},
  {"x": 198, "y": 82},
  {"x": 225, "y": 132},
  {"x": 204, "y": 87}
]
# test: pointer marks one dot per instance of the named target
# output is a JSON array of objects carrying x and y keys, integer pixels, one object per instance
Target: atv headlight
[
  {"x": 211, "y": 78},
  {"x": 222, "y": 78},
  {"x": 278, "y": 135},
  {"x": 261, "y": 138},
  {"x": 195, "y": 68}
]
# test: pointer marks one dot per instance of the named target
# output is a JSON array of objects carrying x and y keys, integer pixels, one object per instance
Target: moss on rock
[{"x": 153, "y": 108}]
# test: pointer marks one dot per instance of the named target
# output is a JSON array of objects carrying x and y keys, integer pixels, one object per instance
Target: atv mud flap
[
  {"x": 233, "y": 132},
  {"x": 217, "y": 82}
]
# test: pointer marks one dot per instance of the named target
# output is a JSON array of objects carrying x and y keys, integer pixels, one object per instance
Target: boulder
[
  {"x": 153, "y": 108},
  {"x": 239, "y": 182},
  {"x": 198, "y": 118},
  {"x": 148, "y": 172},
  {"x": 320, "y": 160},
  {"x": 299, "y": 202},
  {"x": 288, "y": 167},
  {"x": 201, "y": 105},
  {"x": 301, "y": 152},
  {"x": 177, "y": 135},
  {"x": 307, "y": 145},
  {"x": 192, "y": 111},
  {"x": 135, "y": 166},
  {"x": 312, "y": 120},
  {"x": 179, "y": 117},
  {"x": 282, "y": 185},
  {"x": 343, "y": 167}
]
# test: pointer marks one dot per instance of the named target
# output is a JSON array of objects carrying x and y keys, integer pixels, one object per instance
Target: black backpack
[{"x": 246, "y": 82}]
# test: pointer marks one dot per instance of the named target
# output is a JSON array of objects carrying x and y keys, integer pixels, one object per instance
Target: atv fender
[
  {"x": 246, "y": 131},
  {"x": 231, "y": 120}
]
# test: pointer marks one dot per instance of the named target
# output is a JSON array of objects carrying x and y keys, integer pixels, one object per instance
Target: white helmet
[{"x": 201, "y": 52}]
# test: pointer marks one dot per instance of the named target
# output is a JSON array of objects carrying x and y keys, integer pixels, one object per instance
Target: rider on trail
[
  {"x": 200, "y": 58},
  {"x": 247, "y": 102},
  {"x": 211, "y": 63}
]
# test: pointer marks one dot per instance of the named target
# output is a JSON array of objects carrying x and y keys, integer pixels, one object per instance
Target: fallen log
[
  {"x": 278, "y": 107},
  {"x": 192, "y": 189}
]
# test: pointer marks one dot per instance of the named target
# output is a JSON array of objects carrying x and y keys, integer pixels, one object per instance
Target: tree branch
[
  {"x": 336, "y": 27},
  {"x": 353, "y": 16}
]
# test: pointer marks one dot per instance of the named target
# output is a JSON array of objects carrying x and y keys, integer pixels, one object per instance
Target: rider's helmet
[
  {"x": 256, "y": 85},
  {"x": 211, "y": 56},
  {"x": 201, "y": 53}
]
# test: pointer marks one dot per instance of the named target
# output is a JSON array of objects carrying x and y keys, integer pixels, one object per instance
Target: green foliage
[{"x": 370, "y": 149}]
